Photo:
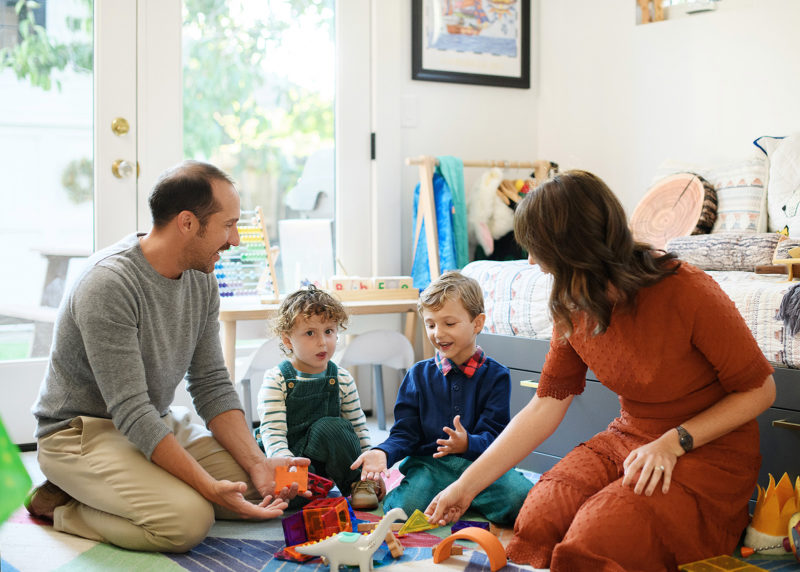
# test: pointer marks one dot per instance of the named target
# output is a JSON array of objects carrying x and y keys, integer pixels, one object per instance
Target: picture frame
[{"x": 479, "y": 42}]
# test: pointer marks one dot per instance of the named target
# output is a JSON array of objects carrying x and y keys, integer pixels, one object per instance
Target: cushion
[
  {"x": 726, "y": 251},
  {"x": 783, "y": 186},
  {"x": 785, "y": 244},
  {"x": 676, "y": 205},
  {"x": 741, "y": 196}
]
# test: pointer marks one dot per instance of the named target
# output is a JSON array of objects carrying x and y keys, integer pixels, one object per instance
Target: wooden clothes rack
[{"x": 426, "y": 209}]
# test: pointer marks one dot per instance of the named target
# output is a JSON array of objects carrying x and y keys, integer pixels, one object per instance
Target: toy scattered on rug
[
  {"x": 485, "y": 539},
  {"x": 775, "y": 507},
  {"x": 286, "y": 476},
  {"x": 417, "y": 522},
  {"x": 317, "y": 520},
  {"x": 726, "y": 563},
  {"x": 469, "y": 523},
  {"x": 351, "y": 548}
]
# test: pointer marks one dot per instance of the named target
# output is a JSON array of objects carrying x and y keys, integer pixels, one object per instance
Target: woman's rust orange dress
[{"x": 683, "y": 348}]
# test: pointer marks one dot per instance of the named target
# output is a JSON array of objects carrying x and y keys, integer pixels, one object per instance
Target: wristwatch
[{"x": 685, "y": 438}]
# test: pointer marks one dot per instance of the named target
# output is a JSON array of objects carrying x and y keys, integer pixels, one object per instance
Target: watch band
[{"x": 685, "y": 438}]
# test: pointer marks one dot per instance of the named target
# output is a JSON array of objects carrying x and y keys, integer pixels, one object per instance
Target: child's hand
[
  {"x": 372, "y": 463},
  {"x": 457, "y": 443}
]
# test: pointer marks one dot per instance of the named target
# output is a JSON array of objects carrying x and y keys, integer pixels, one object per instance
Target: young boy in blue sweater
[{"x": 461, "y": 386}]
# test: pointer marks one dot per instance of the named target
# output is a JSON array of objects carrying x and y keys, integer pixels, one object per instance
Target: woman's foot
[{"x": 42, "y": 501}]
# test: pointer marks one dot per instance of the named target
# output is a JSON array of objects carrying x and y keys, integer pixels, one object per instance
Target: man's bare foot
[{"x": 43, "y": 500}]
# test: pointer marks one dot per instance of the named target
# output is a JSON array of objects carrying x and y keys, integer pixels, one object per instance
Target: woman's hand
[
  {"x": 653, "y": 463},
  {"x": 449, "y": 505},
  {"x": 457, "y": 443},
  {"x": 372, "y": 463}
]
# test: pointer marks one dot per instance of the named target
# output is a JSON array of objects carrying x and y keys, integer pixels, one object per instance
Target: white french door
[{"x": 124, "y": 117}]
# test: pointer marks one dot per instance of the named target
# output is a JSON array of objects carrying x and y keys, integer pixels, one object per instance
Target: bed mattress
[{"x": 516, "y": 294}]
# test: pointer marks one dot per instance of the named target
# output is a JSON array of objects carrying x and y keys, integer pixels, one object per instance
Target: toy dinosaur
[{"x": 351, "y": 548}]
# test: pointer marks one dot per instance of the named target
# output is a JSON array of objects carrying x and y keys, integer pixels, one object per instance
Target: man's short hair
[
  {"x": 453, "y": 285},
  {"x": 186, "y": 187}
]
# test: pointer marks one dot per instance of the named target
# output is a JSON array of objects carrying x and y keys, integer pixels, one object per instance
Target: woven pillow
[
  {"x": 726, "y": 251},
  {"x": 785, "y": 244},
  {"x": 741, "y": 197}
]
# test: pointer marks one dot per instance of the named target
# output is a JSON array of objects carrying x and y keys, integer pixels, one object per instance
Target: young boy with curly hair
[{"x": 308, "y": 406}]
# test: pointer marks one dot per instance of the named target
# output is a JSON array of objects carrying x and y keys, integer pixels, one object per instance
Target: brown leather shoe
[
  {"x": 43, "y": 500},
  {"x": 364, "y": 495}
]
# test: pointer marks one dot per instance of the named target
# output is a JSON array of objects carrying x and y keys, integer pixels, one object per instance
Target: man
[{"x": 120, "y": 467}]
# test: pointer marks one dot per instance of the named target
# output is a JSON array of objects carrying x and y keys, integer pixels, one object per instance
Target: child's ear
[
  {"x": 286, "y": 341},
  {"x": 478, "y": 322}
]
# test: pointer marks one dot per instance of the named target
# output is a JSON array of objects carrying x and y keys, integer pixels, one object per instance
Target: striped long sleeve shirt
[{"x": 272, "y": 411}]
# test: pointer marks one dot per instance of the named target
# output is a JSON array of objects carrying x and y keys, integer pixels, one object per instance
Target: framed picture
[{"x": 482, "y": 42}]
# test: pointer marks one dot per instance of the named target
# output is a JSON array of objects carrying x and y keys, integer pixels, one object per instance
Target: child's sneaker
[{"x": 366, "y": 494}]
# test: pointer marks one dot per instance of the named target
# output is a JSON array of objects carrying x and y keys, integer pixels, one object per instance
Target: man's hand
[
  {"x": 263, "y": 476},
  {"x": 372, "y": 463},
  {"x": 230, "y": 495},
  {"x": 457, "y": 443}
]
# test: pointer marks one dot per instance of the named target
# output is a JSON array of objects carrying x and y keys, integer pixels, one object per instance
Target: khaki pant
[{"x": 121, "y": 498}]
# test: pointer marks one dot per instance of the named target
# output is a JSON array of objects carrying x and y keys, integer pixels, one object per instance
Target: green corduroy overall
[{"x": 315, "y": 428}]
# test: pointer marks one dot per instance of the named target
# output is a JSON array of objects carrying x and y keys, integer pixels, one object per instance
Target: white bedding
[{"x": 757, "y": 296}]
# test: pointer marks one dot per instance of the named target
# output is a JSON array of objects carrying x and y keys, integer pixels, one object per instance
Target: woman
[{"x": 669, "y": 480}]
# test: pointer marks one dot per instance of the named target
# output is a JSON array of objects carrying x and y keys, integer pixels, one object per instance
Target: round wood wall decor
[{"x": 678, "y": 205}]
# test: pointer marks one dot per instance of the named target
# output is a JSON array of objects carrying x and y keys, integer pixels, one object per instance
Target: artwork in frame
[{"x": 482, "y": 42}]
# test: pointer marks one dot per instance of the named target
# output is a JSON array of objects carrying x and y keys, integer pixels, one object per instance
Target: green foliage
[
  {"x": 36, "y": 56},
  {"x": 233, "y": 105}
]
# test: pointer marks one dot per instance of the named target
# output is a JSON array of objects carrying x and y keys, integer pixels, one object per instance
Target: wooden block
[
  {"x": 370, "y": 526},
  {"x": 395, "y": 547},
  {"x": 455, "y": 549}
]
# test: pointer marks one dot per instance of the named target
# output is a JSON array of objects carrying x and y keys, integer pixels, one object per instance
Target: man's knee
[{"x": 185, "y": 525}]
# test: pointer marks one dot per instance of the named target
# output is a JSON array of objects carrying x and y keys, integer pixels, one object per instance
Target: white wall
[
  {"x": 617, "y": 99},
  {"x": 467, "y": 121}
]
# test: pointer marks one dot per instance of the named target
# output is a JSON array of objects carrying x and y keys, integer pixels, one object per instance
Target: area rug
[{"x": 31, "y": 545}]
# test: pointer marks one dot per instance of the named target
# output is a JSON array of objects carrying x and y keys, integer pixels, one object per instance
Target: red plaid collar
[{"x": 469, "y": 368}]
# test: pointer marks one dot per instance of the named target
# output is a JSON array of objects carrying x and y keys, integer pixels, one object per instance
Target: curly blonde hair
[{"x": 308, "y": 302}]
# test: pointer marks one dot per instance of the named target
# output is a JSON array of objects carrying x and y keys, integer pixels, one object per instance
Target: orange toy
[
  {"x": 485, "y": 539},
  {"x": 285, "y": 476}
]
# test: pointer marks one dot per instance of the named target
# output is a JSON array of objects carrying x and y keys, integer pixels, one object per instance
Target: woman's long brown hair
[{"x": 576, "y": 229}]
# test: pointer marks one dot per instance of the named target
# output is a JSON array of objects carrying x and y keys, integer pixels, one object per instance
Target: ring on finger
[{"x": 660, "y": 468}]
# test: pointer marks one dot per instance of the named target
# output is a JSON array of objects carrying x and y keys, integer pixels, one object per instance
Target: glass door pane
[
  {"x": 46, "y": 183},
  {"x": 259, "y": 103}
]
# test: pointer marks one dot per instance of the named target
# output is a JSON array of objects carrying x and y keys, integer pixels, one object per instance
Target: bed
[{"x": 518, "y": 330}]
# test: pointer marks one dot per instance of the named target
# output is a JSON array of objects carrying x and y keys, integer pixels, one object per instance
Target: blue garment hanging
[
  {"x": 452, "y": 169},
  {"x": 443, "y": 205}
]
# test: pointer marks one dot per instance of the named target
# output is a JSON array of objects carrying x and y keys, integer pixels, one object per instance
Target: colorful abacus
[{"x": 248, "y": 269}]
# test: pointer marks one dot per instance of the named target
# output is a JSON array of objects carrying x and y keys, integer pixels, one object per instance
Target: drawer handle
[
  {"x": 786, "y": 424},
  {"x": 529, "y": 383}
]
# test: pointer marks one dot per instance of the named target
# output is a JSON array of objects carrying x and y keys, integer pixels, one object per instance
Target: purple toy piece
[
  {"x": 294, "y": 529},
  {"x": 468, "y": 523}
]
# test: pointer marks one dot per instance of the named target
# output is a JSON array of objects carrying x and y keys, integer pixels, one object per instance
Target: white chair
[
  {"x": 378, "y": 348},
  {"x": 266, "y": 356}
]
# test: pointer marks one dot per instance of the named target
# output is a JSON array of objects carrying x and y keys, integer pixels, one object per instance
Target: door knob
[
  {"x": 122, "y": 169},
  {"x": 120, "y": 126}
]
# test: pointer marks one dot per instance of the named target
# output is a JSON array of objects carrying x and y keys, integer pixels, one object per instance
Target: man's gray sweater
[{"x": 124, "y": 338}]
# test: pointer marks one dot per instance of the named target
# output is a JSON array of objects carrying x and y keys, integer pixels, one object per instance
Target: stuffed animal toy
[{"x": 488, "y": 216}]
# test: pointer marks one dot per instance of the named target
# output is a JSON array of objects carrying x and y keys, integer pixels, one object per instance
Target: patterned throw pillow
[
  {"x": 783, "y": 186},
  {"x": 785, "y": 244},
  {"x": 741, "y": 197},
  {"x": 726, "y": 251}
]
